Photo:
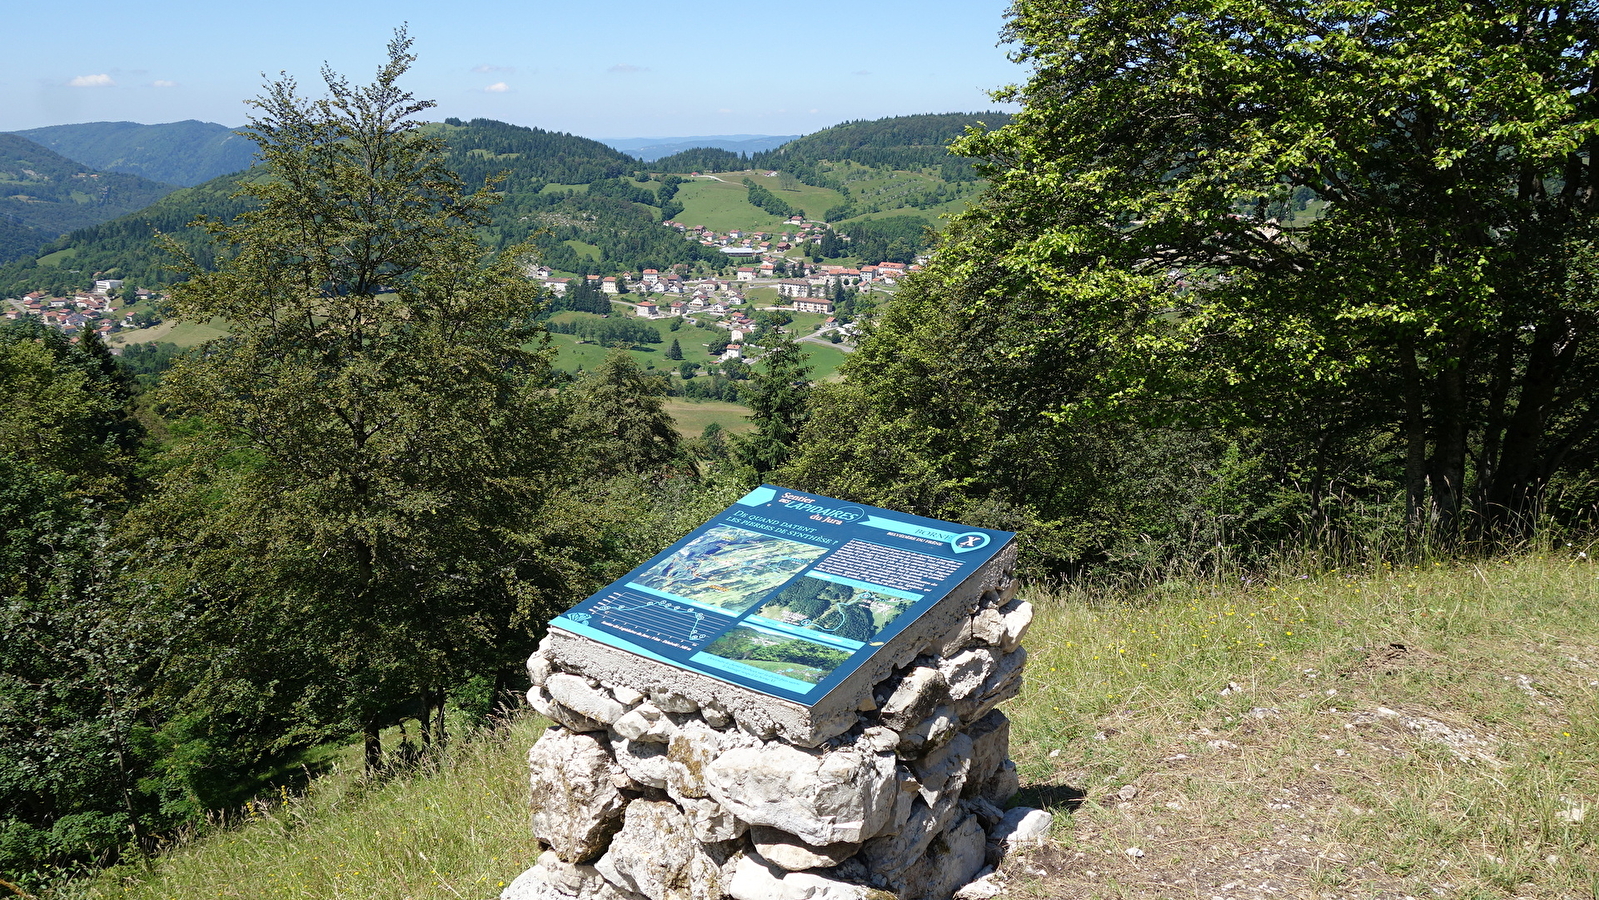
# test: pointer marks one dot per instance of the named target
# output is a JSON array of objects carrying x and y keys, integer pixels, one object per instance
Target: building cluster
[
  {"x": 765, "y": 264},
  {"x": 93, "y": 310}
]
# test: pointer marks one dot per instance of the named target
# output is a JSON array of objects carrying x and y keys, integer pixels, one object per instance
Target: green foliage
[
  {"x": 623, "y": 407},
  {"x": 1126, "y": 288},
  {"x": 702, "y": 159},
  {"x": 127, "y": 246},
  {"x": 609, "y": 331},
  {"x": 361, "y": 518},
  {"x": 763, "y": 199},
  {"x": 621, "y": 219},
  {"x": 778, "y": 395},
  {"x": 893, "y": 239}
]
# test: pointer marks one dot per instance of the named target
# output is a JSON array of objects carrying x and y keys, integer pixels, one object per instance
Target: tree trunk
[
  {"x": 1512, "y": 497},
  {"x": 1447, "y": 470},
  {"x": 373, "y": 742},
  {"x": 1415, "y": 450}
]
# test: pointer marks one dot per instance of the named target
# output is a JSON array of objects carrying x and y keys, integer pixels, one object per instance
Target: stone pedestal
[{"x": 644, "y": 789}]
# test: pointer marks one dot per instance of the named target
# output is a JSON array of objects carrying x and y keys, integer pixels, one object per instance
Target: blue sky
[{"x": 600, "y": 68}]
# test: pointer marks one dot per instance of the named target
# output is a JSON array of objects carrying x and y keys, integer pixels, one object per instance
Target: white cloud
[
  {"x": 626, "y": 67},
  {"x": 860, "y": 72},
  {"x": 92, "y": 81},
  {"x": 163, "y": 84},
  {"x": 498, "y": 87},
  {"x": 724, "y": 110},
  {"x": 485, "y": 69}
]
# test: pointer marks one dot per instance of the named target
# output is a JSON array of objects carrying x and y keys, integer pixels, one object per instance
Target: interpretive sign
[{"x": 784, "y": 592}]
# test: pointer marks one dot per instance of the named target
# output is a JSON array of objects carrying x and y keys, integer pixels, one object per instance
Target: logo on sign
[{"x": 966, "y": 543}]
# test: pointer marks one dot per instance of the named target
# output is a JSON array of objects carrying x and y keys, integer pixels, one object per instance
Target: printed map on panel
[{"x": 729, "y": 568}]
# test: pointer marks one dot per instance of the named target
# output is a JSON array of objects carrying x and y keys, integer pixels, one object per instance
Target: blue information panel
[{"x": 784, "y": 592}]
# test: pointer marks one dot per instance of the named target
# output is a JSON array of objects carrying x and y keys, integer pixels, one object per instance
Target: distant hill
[
  {"x": 183, "y": 153},
  {"x": 900, "y": 142},
  {"x": 574, "y": 198},
  {"x": 652, "y": 149},
  {"x": 44, "y": 195}
]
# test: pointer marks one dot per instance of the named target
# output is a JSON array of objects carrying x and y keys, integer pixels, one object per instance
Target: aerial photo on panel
[
  {"x": 836, "y": 609},
  {"x": 781, "y": 655},
  {"x": 729, "y": 568}
]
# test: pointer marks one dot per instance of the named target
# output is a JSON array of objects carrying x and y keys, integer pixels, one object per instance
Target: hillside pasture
[{"x": 724, "y": 205}]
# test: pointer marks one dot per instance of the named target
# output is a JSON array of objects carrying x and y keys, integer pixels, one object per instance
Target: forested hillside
[
  {"x": 901, "y": 142},
  {"x": 555, "y": 188},
  {"x": 182, "y": 153},
  {"x": 44, "y": 195}
]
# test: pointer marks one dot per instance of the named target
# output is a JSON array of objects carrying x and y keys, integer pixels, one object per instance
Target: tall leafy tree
[
  {"x": 369, "y": 508},
  {"x": 623, "y": 409},
  {"x": 1362, "y": 233},
  {"x": 778, "y": 394}
]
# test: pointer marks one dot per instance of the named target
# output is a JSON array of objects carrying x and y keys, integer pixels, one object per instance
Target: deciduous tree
[{"x": 371, "y": 508}]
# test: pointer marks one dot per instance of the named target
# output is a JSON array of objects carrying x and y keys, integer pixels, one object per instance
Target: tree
[
  {"x": 674, "y": 352},
  {"x": 625, "y": 409},
  {"x": 362, "y": 515},
  {"x": 1427, "y": 333},
  {"x": 777, "y": 393}
]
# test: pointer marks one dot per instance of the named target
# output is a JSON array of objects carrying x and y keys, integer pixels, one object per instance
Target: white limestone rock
[
  {"x": 1003, "y": 683},
  {"x": 716, "y": 715},
  {"x": 1018, "y": 615},
  {"x": 656, "y": 854},
  {"x": 625, "y": 695},
  {"x": 645, "y": 722},
  {"x": 990, "y": 737},
  {"x": 1022, "y": 827},
  {"x": 781, "y": 849},
  {"x": 944, "y": 770},
  {"x": 918, "y": 693},
  {"x": 575, "y": 693},
  {"x": 988, "y": 627},
  {"x": 893, "y": 855},
  {"x": 929, "y": 733},
  {"x": 645, "y": 762},
  {"x": 983, "y": 887},
  {"x": 843, "y": 796},
  {"x": 953, "y": 859},
  {"x": 552, "y": 879},
  {"x": 673, "y": 703},
  {"x": 756, "y": 879},
  {"x": 966, "y": 671},
  {"x": 576, "y": 804},
  {"x": 986, "y": 812},
  {"x": 951, "y": 641},
  {"x": 691, "y": 750},
  {"x": 539, "y": 668},
  {"x": 711, "y": 823},
  {"x": 547, "y": 706},
  {"x": 1002, "y": 785}
]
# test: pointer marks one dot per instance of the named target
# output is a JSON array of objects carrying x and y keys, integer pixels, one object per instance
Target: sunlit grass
[
  {"x": 1221, "y": 695},
  {"x": 458, "y": 829},
  {"x": 1231, "y": 705}
]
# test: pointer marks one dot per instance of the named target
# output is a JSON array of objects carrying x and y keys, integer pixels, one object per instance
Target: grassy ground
[
  {"x": 184, "y": 334},
  {"x": 458, "y": 830},
  {"x": 1380, "y": 733},
  {"x": 692, "y": 416},
  {"x": 1398, "y": 732},
  {"x": 724, "y": 205}
]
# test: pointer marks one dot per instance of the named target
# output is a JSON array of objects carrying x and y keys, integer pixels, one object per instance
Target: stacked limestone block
[{"x": 641, "y": 793}]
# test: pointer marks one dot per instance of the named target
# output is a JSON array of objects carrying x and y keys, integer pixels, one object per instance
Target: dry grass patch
[{"x": 1386, "y": 734}]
